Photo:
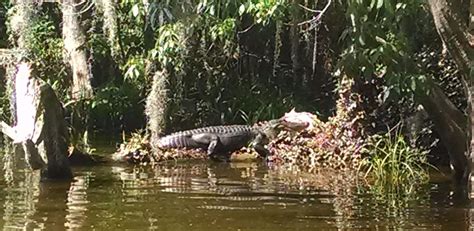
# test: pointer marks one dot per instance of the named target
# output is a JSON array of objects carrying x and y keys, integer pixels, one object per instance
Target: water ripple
[{"x": 209, "y": 196}]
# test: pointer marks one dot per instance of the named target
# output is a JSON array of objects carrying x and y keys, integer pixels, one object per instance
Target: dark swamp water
[{"x": 205, "y": 195}]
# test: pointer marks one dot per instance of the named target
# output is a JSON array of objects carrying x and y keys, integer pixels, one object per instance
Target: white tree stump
[{"x": 40, "y": 127}]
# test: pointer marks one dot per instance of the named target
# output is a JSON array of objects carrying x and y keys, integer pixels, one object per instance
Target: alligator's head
[
  {"x": 291, "y": 121},
  {"x": 297, "y": 121},
  {"x": 270, "y": 128}
]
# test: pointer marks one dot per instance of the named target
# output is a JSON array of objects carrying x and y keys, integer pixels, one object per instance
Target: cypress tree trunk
[
  {"x": 39, "y": 124},
  {"x": 451, "y": 26},
  {"x": 40, "y": 127},
  {"x": 156, "y": 106},
  {"x": 75, "y": 51},
  {"x": 75, "y": 55},
  {"x": 295, "y": 43}
]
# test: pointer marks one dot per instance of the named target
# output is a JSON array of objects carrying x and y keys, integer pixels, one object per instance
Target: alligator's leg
[
  {"x": 261, "y": 150},
  {"x": 258, "y": 144},
  {"x": 211, "y": 149},
  {"x": 211, "y": 141}
]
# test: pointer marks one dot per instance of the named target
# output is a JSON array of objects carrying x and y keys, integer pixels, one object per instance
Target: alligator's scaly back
[
  {"x": 185, "y": 138},
  {"x": 224, "y": 139}
]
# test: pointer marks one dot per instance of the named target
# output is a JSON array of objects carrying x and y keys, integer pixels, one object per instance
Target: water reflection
[
  {"x": 77, "y": 202},
  {"x": 204, "y": 195},
  {"x": 20, "y": 203}
]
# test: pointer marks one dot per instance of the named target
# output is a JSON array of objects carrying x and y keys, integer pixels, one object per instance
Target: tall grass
[{"x": 393, "y": 164}]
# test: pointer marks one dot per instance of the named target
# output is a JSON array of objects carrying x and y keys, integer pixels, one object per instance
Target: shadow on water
[{"x": 202, "y": 195}]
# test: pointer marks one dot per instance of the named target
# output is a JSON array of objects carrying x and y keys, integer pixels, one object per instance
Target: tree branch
[{"x": 317, "y": 18}]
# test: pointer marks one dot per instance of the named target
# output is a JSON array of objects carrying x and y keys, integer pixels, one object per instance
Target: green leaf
[
  {"x": 372, "y": 4},
  {"x": 242, "y": 9},
  {"x": 212, "y": 10},
  {"x": 135, "y": 10},
  {"x": 400, "y": 6},
  {"x": 380, "y": 40},
  {"x": 389, "y": 6},
  {"x": 413, "y": 85},
  {"x": 379, "y": 4},
  {"x": 361, "y": 41}
]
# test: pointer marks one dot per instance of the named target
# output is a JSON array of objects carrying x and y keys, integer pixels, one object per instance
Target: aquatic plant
[
  {"x": 396, "y": 173},
  {"x": 391, "y": 161}
]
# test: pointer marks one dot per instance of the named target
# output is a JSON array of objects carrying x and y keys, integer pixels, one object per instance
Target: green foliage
[
  {"x": 224, "y": 103},
  {"x": 197, "y": 44},
  {"x": 132, "y": 23},
  {"x": 392, "y": 163},
  {"x": 135, "y": 72},
  {"x": 254, "y": 104},
  {"x": 169, "y": 47},
  {"x": 218, "y": 8},
  {"x": 45, "y": 44},
  {"x": 200, "y": 52},
  {"x": 46, "y": 47},
  {"x": 223, "y": 32},
  {"x": 112, "y": 104},
  {"x": 378, "y": 42},
  {"x": 264, "y": 11},
  {"x": 100, "y": 46},
  {"x": 397, "y": 173}
]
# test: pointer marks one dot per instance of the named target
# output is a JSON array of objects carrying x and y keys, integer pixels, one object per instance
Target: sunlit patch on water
[
  {"x": 77, "y": 202},
  {"x": 223, "y": 207}
]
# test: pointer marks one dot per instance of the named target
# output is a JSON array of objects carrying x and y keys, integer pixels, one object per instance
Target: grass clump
[{"x": 392, "y": 163}]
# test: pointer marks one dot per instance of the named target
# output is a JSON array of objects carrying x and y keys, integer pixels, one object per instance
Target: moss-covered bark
[
  {"x": 156, "y": 106},
  {"x": 75, "y": 51}
]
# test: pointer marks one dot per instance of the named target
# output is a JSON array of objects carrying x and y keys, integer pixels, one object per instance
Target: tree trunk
[
  {"x": 452, "y": 28},
  {"x": 470, "y": 82},
  {"x": 37, "y": 114},
  {"x": 40, "y": 126},
  {"x": 75, "y": 51},
  {"x": 22, "y": 22},
  {"x": 148, "y": 32},
  {"x": 295, "y": 43},
  {"x": 111, "y": 27},
  {"x": 75, "y": 55},
  {"x": 450, "y": 124},
  {"x": 156, "y": 105},
  {"x": 471, "y": 22}
]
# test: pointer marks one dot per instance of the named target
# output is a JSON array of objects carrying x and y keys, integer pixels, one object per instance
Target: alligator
[{"x": 225, "y": 139}]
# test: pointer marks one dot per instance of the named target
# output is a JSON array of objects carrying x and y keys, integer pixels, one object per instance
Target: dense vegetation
[{"x": 229, "y": 62}]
